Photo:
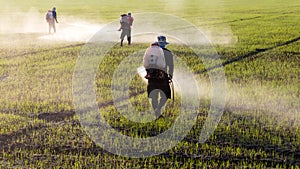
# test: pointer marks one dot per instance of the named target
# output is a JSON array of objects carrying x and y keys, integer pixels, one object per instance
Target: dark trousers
[{"x": 159, "y": 91}]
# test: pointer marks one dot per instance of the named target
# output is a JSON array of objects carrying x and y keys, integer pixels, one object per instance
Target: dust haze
[
  {"x": 74, "y": 29},
  {"x": 77, "y": 30},
  {"x": 247, "y": 99},
  {"x": 33, "y": 22}
]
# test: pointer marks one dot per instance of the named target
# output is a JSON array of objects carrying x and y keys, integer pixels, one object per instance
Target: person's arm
[
  {"x": 121, "y": 26},
  {"x": 55, "y": 16},
  {"x": 171, "y": 66},
  {"x": 169, "y": 62}
]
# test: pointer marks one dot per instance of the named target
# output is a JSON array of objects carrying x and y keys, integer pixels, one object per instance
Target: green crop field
[{"x": 258, "y": 43}]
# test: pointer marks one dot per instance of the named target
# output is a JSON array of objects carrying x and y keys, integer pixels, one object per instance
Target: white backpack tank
[
  {"x": 124, "y": 19},
  {"x": 154, "y": 57},
  {"x": 49, "y": 15}
]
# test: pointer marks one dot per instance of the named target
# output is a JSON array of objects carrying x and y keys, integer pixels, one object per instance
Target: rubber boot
[{"x": 129, "y": 40}]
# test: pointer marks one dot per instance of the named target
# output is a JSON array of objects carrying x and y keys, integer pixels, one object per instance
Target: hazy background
[{"x": 79, "y": 20}]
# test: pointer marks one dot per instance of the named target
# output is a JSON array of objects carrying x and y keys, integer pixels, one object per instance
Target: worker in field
[
  {"x": 50, "y": 20},
  {"x": 54, "y": 14},
  {"x": 125, "y": 28},
  {"x": 130, "y": 21},
  {"x": 158, "y": 62},
  {"x": 130, "y": 18}
]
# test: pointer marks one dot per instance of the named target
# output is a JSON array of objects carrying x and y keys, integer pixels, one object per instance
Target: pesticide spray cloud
[
  {"x": 77, "y": 31},
  {"x": 22, "y": 22},
  {"x": 34, "y": 22}
]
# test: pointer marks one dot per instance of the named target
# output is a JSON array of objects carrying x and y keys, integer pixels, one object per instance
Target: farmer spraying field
[
  {"x": 126, "y": 23},
  {"x": 130, "y": 21},
  {"x": 51, "y": 18},
  {"x": 158, "y": 62},
  {"x": 54, "y": 14}
]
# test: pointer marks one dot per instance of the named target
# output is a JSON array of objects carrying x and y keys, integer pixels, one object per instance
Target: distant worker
[
  {"x": 126, "y": 30},
  {"x": 50, "y": 20},
  {"x": 54, "y": 14},
  {"x": 130, "y": 19},
  {"x": 158, "y": 62}
]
